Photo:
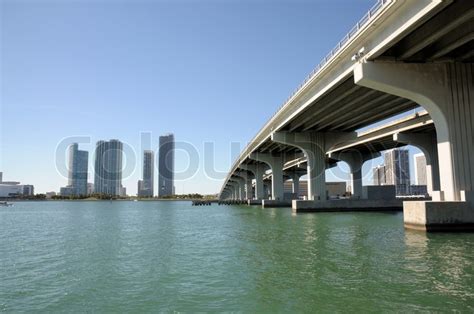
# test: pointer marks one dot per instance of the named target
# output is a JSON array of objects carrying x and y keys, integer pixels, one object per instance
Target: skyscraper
[
  {"x": 78, "y": 164},
  {"x": 379, "y": 175},
  {"x": 145, "y": 186},
  {"x": 108, "y": 167},
  {"x": 420, "y": 168},
  {"x": 77, "y": 172},
  {"x": 166, "y": 165},
  {"x": 397, "y": 170}
]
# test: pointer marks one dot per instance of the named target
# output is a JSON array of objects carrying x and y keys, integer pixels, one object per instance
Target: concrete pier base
[
  {"x": 438, "y": 216},
  {"x": 254, "y": 202},
  {"x": 275, "y": 203},
  {"x": 299, "y": 206}
]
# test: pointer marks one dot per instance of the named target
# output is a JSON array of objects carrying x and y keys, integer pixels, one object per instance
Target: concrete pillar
[
  {"x": 267, "y": 187},
  {"x": 225, "y": 194},
  {"x": 295, "y": 178},
  {"x": 314, "y": 146},
  {"x": 296, "y": 184},
  {"x": 238, "y": 187},
  {"x": 427, "y": 143},
  {"x": 355, "y": 160},
  {"x": 446, "y": 91},
  {"x": 241, "y": 182},
  {"x": 247, "y": 182},
  {"x": 258, "y": 171},
  {"x": 275, "y": 162}
]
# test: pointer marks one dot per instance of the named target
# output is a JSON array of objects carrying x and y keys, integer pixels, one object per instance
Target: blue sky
[{"x": 208, "y": 71}]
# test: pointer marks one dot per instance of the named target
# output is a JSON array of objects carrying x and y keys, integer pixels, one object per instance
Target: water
[{"x": 170, "y": 256}]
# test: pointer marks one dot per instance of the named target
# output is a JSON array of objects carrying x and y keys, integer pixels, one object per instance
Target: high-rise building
[
  {"x": 379, "y": 175},
  {"x": 77, "y": 172},
  {"x": 166, "y": 165},
  {"x": 108, "y": 167},
  {"x": 78, "y": 165},
  {"x": 145, "y": 186},
  {"x": 420, "y": 168},
  {"x": 397, "y": 170},
  {"x": 123, "y": 191}
]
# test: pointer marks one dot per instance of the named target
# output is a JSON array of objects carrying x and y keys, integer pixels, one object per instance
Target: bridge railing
[{"x": 376, "y": 8}]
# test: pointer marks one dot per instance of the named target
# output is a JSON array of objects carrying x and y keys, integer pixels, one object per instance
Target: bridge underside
[{"x": 428, "y": 65}]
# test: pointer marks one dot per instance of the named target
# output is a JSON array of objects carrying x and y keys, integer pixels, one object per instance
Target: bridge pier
[
  {"x": 258, "y": 170},
  {"x": 267, "y": 189},
  {"x": 275, "y": 162},
  {"x": 236, "y": 188},
  {"x": 295, "y": 179},
  {"x": 314, "y": 146},
  {"x": 355, "y": 160},
  {"x": 446, "y": 91},
  {"x": 246, "y": 184}
]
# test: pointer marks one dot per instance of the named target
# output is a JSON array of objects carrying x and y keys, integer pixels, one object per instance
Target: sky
[{"x": 211, "y": 72}]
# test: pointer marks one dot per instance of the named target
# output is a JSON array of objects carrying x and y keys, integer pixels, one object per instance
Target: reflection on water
[
  {"x": 444, "y": 259},
  {"x": 170, "y": 256}
]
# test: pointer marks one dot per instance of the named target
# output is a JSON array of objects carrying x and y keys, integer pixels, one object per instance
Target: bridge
[{"x": 400, "y": 56}]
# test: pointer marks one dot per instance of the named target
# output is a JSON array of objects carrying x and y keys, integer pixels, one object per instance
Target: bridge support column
[
  {"x": 239, "y": 188},
  {"x": 314, "y": 146},
  {"x": 294, "y": 175},
  {"x": 295, "y": 178},
  {"x": 276, "y": 165},
  {"x": 355, "y": 160},
  {"x": 246, "y": 179},
  {"x": 258, "y": 171},
  {"x": 267, "y": 189},
  {"x": 446, "y": 91},
  {"x": 426, "y": 142}
]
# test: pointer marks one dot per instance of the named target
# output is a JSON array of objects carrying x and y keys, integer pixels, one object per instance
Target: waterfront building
[
  {"x": 66, "y": 191},
  {"x": 14, "y": 188},
  {"x": 50, "y": 194},
  {"x": 28, "y": 189},
  {"x": 108, "y": 167},
  {"x": 145, "y": 186},
  {"x": 123, "y": 191},
  {"x": 420, "y": 168},
  {"x": 397, "y": 170},
  {"x": 166, "y": 165},
  {"x": 77, "y": 172},
  {"x": 378, "y": 174},
  {"x": 90, "y": 188}
]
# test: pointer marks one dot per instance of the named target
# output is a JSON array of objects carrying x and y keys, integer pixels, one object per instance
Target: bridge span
[{"x": 400, "y": 56}]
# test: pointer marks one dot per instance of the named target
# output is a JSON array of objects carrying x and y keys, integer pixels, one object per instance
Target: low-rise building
[{"x": 14, "y": 188}]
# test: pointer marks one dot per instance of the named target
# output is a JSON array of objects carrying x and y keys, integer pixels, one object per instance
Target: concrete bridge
[{"x": 400, "y": 56}]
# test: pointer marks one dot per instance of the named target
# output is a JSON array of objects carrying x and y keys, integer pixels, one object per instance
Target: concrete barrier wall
[{"x": 379, "y": 192}]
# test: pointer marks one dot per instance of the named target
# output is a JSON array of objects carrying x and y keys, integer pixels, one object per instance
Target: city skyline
[{"x": 108, "y": 170}]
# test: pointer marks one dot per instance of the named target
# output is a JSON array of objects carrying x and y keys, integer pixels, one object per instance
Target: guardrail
[{"x": 374, "y": 10}]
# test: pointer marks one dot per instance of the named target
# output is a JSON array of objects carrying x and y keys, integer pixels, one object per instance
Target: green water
[{"x": 170, "y": 256}]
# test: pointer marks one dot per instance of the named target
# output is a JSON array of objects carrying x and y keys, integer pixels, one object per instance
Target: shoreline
[{"x": 100, "y": 200}]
